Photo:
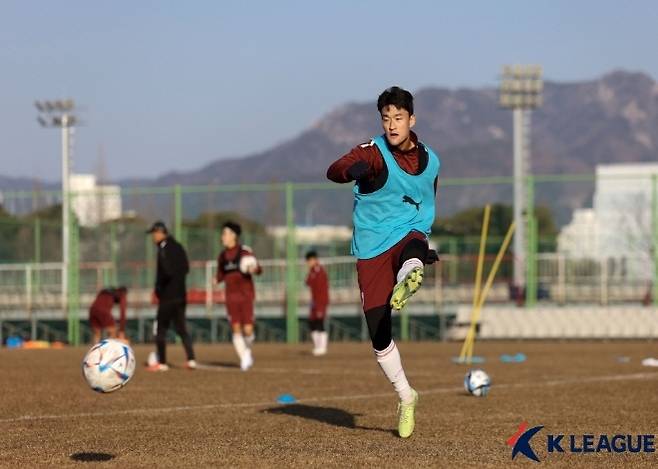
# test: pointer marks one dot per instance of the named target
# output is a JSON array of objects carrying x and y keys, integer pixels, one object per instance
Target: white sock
[
  {"x": 239, "y": 344},
  {"x": 249, "y": 340},
  {"x": 390, "y": 362},
  {"x": 323, "y": 339},
  {"x": 316, "y": 339},
  {"x": 408, "y": 266}
]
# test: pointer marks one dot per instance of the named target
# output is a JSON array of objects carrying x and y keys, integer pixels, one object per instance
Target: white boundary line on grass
[
  {"x": 304, "y": 371},
  {"x": 157, "y": 410}
]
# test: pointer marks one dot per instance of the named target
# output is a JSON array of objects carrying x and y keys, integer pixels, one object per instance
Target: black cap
[{"x": 158, "y": 226}]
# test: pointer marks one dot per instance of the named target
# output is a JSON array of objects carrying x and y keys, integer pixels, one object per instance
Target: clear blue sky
[{"x": 172, "y": 85}]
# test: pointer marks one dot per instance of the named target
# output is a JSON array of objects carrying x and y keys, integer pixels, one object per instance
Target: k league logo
[
  {"x": 578, "y": 444},
  {"x": 520, "y": 441}
]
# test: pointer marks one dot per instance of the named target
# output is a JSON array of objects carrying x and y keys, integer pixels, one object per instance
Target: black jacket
[{"x": 172, "y": 269}]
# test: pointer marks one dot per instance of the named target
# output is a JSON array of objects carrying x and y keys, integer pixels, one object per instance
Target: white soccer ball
[
  {"x": 108, "y": 365},
  {"x": 247, "y": 263},
  {"x": 477, "y": 383}
]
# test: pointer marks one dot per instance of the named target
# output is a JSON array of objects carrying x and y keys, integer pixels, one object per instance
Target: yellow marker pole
[
  {"x": 478, "y": 275},
  {"x": 487, "y": 286}
]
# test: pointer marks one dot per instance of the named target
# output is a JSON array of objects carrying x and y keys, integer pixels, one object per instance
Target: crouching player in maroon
[
  {"x": 235, "y": 266},
  {"x": 396, "y": 177},
  {"x": 100, "y": 314},
  {"x": 318, "y": 282}
]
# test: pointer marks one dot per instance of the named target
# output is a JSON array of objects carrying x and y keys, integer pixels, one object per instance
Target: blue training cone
[
  {"x": 517, "y": 358},
  {"x": 473, "y": 359},
  {"x": 286, "y": 399}
]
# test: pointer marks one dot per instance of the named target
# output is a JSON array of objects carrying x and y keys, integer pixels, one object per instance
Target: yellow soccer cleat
[
  {"x": 407, "y": 418},
  {"x": 406, "y": 288}
]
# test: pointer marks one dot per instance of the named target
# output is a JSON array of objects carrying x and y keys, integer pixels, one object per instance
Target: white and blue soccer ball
[
  {"x": 247, "y": 263},
  {"x": 108, "y": 365},
  {"x": 477, "y": 383}
]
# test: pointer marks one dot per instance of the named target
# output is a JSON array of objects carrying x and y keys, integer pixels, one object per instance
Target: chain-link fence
[{"x": 591, "y": 239}]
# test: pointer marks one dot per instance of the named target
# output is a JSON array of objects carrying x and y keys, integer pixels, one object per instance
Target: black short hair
[
  {"x": 398, "y": 97},
  {"x": 234, "y": 227},
  {"x": 311, "y": 255},
  {"x": 118, "y": 292}
]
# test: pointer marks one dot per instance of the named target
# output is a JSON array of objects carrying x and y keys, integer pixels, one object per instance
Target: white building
[
  {"x": 620, "y": 224},
  {"x": 317, "y": 234},
  {"x": 93, "y": 203},
  {"x": 579, "y": 237}
]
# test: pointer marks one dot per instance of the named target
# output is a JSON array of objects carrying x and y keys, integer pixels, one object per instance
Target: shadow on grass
[
  {"x": 328, "y": 415},
  {"x": 91, "y": 457},
  {"x": 220, "y": 364}
]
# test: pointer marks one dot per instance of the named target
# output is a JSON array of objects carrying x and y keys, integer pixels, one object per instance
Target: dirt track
[{"x": 345, "y": 415}]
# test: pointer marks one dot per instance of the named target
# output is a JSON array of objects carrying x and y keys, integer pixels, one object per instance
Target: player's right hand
[
  {"x": 432, "y": 257},
  {"x": 358, "y": 170}
]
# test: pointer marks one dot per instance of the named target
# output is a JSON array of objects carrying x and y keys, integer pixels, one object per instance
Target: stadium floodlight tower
[
  {"x": 60, "y": 114},
  {"x": 521, "y": 90}
]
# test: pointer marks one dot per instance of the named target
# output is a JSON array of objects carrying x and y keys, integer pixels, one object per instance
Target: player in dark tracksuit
[
  {"x": 396, "y": 178},
  {"x": 100, "y": 313},
  {"x": 171, "y": 291}
]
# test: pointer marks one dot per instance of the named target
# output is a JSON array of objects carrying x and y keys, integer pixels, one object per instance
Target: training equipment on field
[
  {"x": 286, "y": 399},
  {"x": 475, "y": 359},
  {"x": 479, "y": 297},
  {"x": 108, "y": 365},
  {"x": 516, "y": 358},
  {"x": 247, "y": 263},
  {"x": 477, "y": 383}
]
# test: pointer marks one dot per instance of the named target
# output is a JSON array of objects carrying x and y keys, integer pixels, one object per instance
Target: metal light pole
[
  {"x": 521, "y": 90},
  {"x": 60, "y": 114}
]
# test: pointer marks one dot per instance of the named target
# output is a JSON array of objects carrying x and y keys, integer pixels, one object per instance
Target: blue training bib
[{"x": 405, "y": 203}]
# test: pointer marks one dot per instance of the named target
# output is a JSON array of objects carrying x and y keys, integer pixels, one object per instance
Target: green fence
[{"x": 274, "y": 215}]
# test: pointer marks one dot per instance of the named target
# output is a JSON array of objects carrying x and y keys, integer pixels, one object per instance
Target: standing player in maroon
[
  {"x": 318, "y": 283},
  {"x": 395, "y": 179},
  {"x": 235, "y": 266},
  {"x": 100, "y": 314}
]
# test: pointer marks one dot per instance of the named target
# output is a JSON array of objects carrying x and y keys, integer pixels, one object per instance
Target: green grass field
[{"x": 345, "y": 413}]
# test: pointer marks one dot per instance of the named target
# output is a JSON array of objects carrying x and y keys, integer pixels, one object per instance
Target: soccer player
[
  {"x": 100, "y": 314},
  {"x": 396, "y": 177},
  {"x": 240, "y": 291},
  {"x": 171, "y": 291},
  {"x": 318, "y": 283}
]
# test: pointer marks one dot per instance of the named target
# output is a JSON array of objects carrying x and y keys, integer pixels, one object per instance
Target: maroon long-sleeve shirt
[
  {"x": 239, "y": 286},
  {"x": 369, "y": 154},
  {"x": 413, "y": 161},
  {"x": 318, "y": 282}
]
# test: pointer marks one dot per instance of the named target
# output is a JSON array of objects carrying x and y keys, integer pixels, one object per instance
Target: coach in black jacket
[{"x": 171, "y": 292}]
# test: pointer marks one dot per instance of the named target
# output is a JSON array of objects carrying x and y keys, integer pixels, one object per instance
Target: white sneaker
[
  {"x": 318, "y": 352},
  {"x": 247, "y": 361},
  {"x": 158, "y": 367},
  {"x": 152, "y": 359},
  {"x": 650, "y": 362},
  {"x": 190, "y": 365}
]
